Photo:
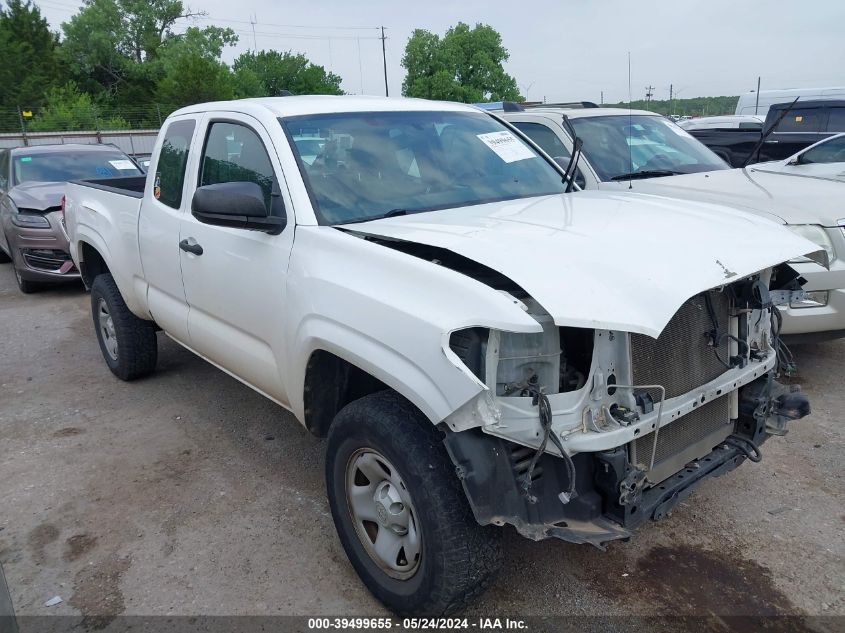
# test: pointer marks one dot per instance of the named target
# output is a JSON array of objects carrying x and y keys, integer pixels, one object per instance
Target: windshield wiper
[
  {"x": 646, "y": 173},
  {"x": 390, "y": 214}
]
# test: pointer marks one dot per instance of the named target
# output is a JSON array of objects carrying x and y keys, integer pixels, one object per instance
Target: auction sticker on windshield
[
  {"x": 509, "y": 148},
  {"x": 122, "y": 165}
]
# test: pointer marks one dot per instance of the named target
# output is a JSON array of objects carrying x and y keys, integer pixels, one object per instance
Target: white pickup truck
[{"x": 410, "y": 278}]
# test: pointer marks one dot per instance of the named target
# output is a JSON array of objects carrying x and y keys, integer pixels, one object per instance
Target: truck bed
[{"x": 124, "y": 185}]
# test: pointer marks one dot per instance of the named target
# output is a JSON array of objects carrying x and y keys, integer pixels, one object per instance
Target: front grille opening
[{"x": 48, "y": 259}]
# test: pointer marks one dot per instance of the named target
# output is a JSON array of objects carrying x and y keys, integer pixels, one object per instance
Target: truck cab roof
[{"x": 324, "y": 104}]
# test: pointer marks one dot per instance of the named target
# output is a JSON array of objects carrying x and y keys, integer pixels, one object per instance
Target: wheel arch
[{"x": 91, "y": 263}]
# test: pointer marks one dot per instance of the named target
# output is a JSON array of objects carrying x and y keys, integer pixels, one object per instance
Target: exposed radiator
[
  {"x": 687, "y": 438},
  {"x": 681, "y": 360}
]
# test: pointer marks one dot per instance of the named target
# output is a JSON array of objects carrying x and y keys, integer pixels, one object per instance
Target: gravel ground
[{"x": 187, "y": 493}]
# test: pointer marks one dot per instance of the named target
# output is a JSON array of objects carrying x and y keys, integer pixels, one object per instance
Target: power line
[{"x": 294, "y": 26}]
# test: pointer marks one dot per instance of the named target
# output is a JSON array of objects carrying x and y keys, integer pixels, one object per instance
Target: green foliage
[
  {"x": 69, "y": 109},
  {"x": 29, "y": 62},
  {"x": 267, "y": 73},
  {"x": 108, "y": 42},
  {"x": 696, "y": 106},
  {"x": 189, "y": 68},
  {"x": 464, "y": 65}
]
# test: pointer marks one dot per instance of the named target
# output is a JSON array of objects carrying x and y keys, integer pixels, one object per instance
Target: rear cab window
[
  {"x": 172, "y": 163},
  {"x": 802, "y": 121}
]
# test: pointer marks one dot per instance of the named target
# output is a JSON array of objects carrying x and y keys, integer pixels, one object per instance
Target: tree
[
  {"x": 28, "y": 50},
  {"x": 190, "y": 69},
  {"x": 108, "y": 42},
  {"x": 69, "y": 109},
  {"x": 465, "y": 65},
  {"x": 267, "y": 73}
]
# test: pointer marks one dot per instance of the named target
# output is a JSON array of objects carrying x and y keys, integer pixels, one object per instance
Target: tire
[
  {"x": 128, "y": 344},
  {"x": 27, "y": 287},
  {"x": 4, "y": 259},
  {"x": 458, "y": 558}
]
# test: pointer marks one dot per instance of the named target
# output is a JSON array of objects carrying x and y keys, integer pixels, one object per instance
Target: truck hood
[
  {"x": 603, "y": 260},
  {"x": 38, "y": 196},
  {"x": 792, "y": 200}
]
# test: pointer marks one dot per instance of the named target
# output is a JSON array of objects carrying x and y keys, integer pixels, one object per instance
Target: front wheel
[
  {"x": 128, "y": 343},
  {"x": 25, "y": 285},
  {"x": 400, "y": 511}
]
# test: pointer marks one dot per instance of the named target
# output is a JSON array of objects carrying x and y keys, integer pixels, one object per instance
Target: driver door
[{"x": 236, "y": 287}]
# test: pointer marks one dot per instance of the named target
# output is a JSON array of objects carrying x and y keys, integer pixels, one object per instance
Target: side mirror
[{"x": 239, "y": 205}]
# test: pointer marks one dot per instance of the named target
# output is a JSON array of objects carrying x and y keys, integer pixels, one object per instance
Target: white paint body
[{"x": 259, "y": 305}]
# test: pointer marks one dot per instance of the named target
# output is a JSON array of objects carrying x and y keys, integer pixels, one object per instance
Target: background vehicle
[
  {"x": 807, "y": 122},
  {"x": 739, "y": 122},
  {"x": 32, "y": 182},
  {"x": 642, "y": 151},
  {"x": 749, "y": 103},
  {"x": 825, "y": 159},
  {"x": 408, "y": 294}
]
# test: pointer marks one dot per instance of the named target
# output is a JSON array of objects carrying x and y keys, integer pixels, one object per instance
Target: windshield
[
  {"x": 372, "y": 164},
  {"x": 656, "y": 145},
  {"x": 64, "y": 166}
]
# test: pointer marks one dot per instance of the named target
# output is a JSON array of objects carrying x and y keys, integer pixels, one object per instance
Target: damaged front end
[{"x": 585, "y": 434}]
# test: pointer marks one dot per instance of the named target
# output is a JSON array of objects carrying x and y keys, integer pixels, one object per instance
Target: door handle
[{"x": 186, "y": 246}]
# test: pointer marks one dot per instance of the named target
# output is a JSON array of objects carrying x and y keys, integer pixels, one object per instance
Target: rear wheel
[
  {"x": 128, "y": 343},
  {"x": 400, "y": 511}
]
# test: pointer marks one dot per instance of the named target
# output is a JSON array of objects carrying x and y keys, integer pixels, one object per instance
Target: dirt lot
[{"x": 187, "y": 493}]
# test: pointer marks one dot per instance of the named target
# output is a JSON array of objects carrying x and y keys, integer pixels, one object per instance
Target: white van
[{"x": 748, "y": 104}]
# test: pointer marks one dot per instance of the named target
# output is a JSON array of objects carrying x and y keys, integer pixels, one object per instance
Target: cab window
[
  {"x": 836, "y": 120},
  {"x": 807, "y": 120},
  {"x": 172, "y": 161},
  {"x": 544, "y": 137},
  {"x": 235, "y": 153}
]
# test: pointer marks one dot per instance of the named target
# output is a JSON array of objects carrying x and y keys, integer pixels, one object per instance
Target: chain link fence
[
  {"x": 132, "y": 129},
  {"x": 83, "y": 116}
]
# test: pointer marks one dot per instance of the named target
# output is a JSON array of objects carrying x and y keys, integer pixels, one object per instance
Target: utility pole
[
  {"x": 384, "y": 60},
  {"x": 602, "y": 98},
  {"x": 649, "y": 93},
  {"x": 757, "y": 100},
  {"x": 671, "y": 104},
  {"x": 253, "y": 20}
]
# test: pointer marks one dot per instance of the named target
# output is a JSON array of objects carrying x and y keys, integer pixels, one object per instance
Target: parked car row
[
  {"x": 559, "y": 319},
  {"x": 786, "y": 129}
]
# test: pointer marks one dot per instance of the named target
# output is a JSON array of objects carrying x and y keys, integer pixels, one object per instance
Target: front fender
[{"x": 389, "y": 314}]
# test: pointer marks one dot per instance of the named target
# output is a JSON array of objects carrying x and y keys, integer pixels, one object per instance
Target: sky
[{"x": 568, "y": 50}]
